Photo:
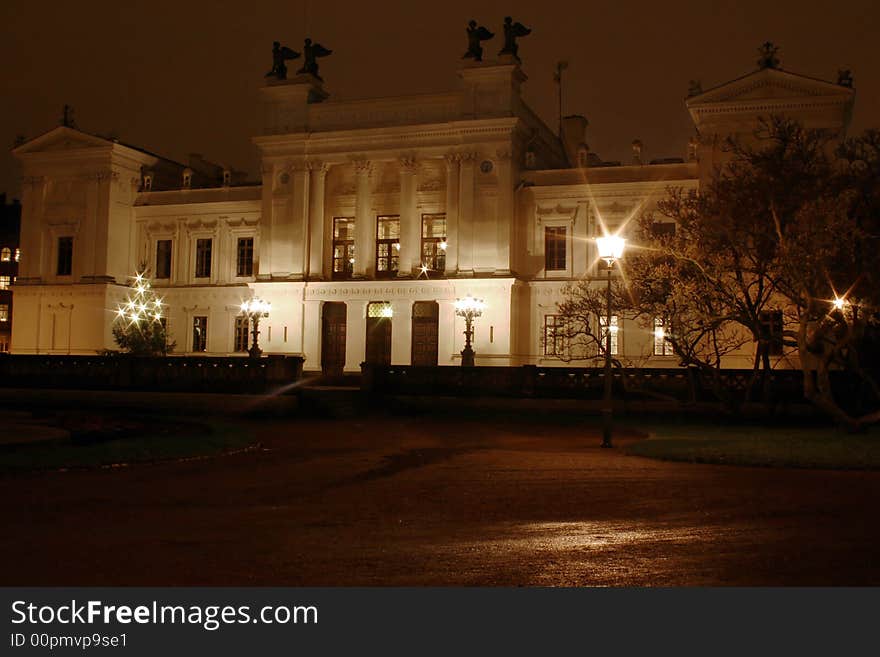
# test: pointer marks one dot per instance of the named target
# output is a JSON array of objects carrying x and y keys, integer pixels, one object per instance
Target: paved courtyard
[{"x": 427, "y": 500}]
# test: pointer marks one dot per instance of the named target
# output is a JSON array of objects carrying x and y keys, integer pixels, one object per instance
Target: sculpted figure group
[
  {"x": 478, "y": 33},
  {"x": 311, "y": 52}
]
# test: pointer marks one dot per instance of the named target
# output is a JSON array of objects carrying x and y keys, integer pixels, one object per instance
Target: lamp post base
[
  {"x": 255, "y": 352},
  {"x": 467, "y": 357}
]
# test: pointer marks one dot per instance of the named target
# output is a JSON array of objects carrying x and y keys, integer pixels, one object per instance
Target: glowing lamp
[{"x": 610, "y": 247}]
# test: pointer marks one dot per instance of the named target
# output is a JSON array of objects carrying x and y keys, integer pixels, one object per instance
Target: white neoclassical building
[{"x": 371, "y": 217}]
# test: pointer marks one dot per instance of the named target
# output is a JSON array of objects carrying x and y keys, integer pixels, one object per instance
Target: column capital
[
  {"x": 467, "y": 156},
  {"x": 504, "y": 153},
  {"x": 363, "y": 167},
  {"x": 451, "y": 160},
  {"x": 408, "y": 164},
  {"x": 317, "y": 166}
]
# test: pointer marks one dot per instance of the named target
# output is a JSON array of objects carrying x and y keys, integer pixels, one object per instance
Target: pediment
[
  {"x": 769, "y": 84},
  {"x": 61, "y": 139}
]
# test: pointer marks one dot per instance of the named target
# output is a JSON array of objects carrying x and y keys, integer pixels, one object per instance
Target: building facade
[
  {"x": 370, "y": 219},
  {"x": 10, "y": 253}
]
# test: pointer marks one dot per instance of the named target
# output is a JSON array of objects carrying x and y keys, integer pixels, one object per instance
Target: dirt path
[{"x": 414, "y": 501}]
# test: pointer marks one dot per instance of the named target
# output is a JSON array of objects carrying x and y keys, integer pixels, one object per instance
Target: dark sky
[{"x": 180, "y": 77}]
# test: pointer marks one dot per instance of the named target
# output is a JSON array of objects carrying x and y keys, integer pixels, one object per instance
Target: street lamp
[
  {"x": 469, "y": 308},
  {"x": 610, "y": 250},
  {"x": 255, "y": 309}
]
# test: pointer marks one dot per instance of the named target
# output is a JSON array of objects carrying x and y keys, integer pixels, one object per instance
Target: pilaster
[
  {"x": 317, "y": 221},
  {"x": 364, "y": 222},
  {"x": 410, "y": 226},
  {"x": 452, "y": 187},
  {"x": 466, "y": 218}
]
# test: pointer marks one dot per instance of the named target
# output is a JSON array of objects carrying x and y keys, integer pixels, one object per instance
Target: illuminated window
[
  {"x": 200, "y": 334},
  {"x": 203, "y": 258},
  {"x": 4, "y": 312},
  {"x": 662, "y": 346},
  {"x": 555, "y": 342},
  {"x": 554, "y": 248},
  {"x": 615, "y": 333},
  {"x": 6, "y": 254},
  {"x": 4, "y": 282},
  {"x": 434, "y": 242},
  {"x": 17, "y": 255},
  {"x": 387, "y": 246},
  {"x": 343, "y": 247},
  {"x": 241, "y": 333},
  {"x": 65, "y": 256},
  {"x": 244, "y": 263},
  {"x": 379, "y": 309},
  {"x": 163, "y": 259}
]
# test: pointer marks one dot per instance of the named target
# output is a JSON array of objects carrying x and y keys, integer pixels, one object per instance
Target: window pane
[
  {"x": 241, "y": 333},
  {"x": 615, "y": 333},
  {"x": 245, "y": 258},
  {"x": 203, "y": 258},
  {"x": 434, "y": 225},
  {"x": 200, "y": 333},
  {"x": 388, "y": 227},
  {"x": 65, "y": 256},
  {"x": 4, "y": 282},
  {"x": 163, "y": 259},
  {"x": 554, "y": 248}
]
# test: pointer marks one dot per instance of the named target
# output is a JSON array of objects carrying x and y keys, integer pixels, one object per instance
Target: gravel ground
[{"x": 434, "y": 501}]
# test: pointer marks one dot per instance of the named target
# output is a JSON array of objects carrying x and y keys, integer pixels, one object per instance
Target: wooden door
[
  {"x": 425, "y": 322},
  {"x": 333, "y": 338},
  {"x": 379, "y": 333}
]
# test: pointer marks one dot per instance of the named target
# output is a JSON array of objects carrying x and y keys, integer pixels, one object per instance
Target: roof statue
[
  {"x": 695, "y": 88},
  {"x": 476, "y": 33},
  {"x": 311, "y": 52},
  {"x": 845, "y": 78},
  {"x": 512, "y": 31},
  {"x": 768, "y": 58},
  {"x": 67, "y": 117},
  {"x": 280, "y": 54}
]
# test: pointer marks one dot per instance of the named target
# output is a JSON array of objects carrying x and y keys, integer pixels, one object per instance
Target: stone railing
[
  {"x": 169, "y": 374},
  {"x": 671, "y": 384}
]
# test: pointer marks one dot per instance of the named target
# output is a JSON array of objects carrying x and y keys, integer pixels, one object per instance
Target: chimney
[
  {"x": 637, "y": 152},
  {"x": 574, "y": 135}
]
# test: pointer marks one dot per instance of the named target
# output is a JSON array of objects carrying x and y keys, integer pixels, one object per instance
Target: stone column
[
  {"x": 452, "y": 186},
  {"x": 356, "y": 334},
  {"x": 316, "y": 268},
  {"x": 299, "y": 206},
  {"x": 401, "y": 332},
  {"x": 264, "y": 262},
  {"x": 364, "y": 223},
  {"x": 311, "y": 337},
  {"x": 466, "y": 214},
  {"x": 410, "y": 225},
  {"x": 504, "y": 213}
]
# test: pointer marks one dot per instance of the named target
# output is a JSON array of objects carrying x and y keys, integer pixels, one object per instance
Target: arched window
[{"x": 6, "y": 254}]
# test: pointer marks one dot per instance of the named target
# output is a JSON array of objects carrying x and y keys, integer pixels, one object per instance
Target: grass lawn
[
  {"x": 797, "y": 446},
  {"x": 157, "y": 441}
]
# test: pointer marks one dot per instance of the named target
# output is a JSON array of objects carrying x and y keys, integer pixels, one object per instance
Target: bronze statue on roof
[
  {"x": 280, "y": 54},
  {"x": 512, "y": 31},
  {"x": 311, "y": 52},
  {"x": 768, "y": 58},
  {"x": 476, "y": 34}
]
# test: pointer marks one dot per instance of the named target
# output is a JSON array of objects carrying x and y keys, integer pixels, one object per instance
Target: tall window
[
  {"x": 343, "y": 247},
  {"x": 662, "y": 346},
  {"x": 200, "y": 334},
  {"x": 4, "y": 312},
  {"x": 203, "y": 258},
  {"x": 6, "y": 254},
  {"x": 244, "y": 262},
  {"x": 387, "y": 245},
  {"x": 771, "y": 331},
  {"x": 241, "y": 333},
  {"x": 434, "y": 242},
  {"x": 555, "y": 343},
  {"x": 615, "y": 333},
  {"x": 65, "y": 256},
  {"x": 17, "y": 255},
  {"x": 4, "y": 282},
  {"x": 554, "y": 248},
  {"x": 163, "y": 259}
]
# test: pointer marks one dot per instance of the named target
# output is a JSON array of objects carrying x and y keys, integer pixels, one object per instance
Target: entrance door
[
  {"x": 333, "y": 338},
  {"x": 425, "y": 321},
  {"x": 379, "y": 333}
]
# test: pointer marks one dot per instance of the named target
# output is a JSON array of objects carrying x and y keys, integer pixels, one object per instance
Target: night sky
[{"x": 181, "y": 77}]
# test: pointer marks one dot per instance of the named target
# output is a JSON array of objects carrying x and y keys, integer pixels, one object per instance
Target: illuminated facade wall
[{"x": 370, "y": 218}]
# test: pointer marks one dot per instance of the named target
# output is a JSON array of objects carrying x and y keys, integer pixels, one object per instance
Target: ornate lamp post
[
  {"x": 610, "y": 250},
  {"x": 469, "y": 308},
  {"x": 255, "y": 309}
]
